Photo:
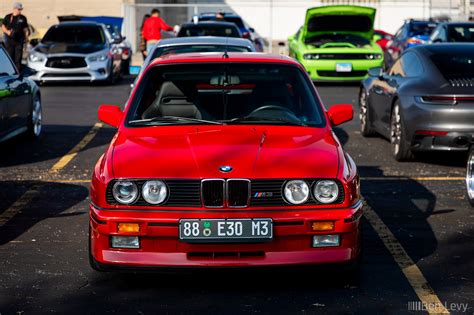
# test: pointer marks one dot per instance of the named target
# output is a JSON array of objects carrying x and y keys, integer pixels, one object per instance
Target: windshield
[
  {"x": 196, "y": 48},
  {"x": 74, "y": 34},
  {"x": 231, "y": 93},
  {"x": 461, "y": 33},
  {"x": 209, "y": 30},
  {"x": 236, "y": 20},
  {"x": 454, "y": 65},
  {"x": 323, "y": 39},
  {"x": 423, "y": 29}
]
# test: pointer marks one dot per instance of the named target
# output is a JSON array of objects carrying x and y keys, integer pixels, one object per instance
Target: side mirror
[
  {"x": 111, "y": 115},
  {"x": 251, "y": 29},
  {"x": 376, "y": 72},
  {"x": 117, "y": 40},
  {"x": 437, "y": 40},
  {"x": 340, "y": 113},
  {"x": 27, "y": 71}
]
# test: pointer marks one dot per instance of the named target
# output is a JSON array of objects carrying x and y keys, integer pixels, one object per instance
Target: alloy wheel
[
  {"x": 470, "y": 177},
  {"x": 363, "y": 110},
  {"x": 36, "y": 117},
  {"x": 396, "y": 129}
]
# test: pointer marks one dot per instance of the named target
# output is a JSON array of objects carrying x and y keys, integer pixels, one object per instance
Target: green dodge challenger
[{"x": 335, "y": 43}]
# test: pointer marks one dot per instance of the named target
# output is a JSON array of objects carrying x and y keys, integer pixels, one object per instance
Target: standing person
[
  {"x": 142, "y": 39},
  {"x": 152, "y": 29},
  {"x": 15, "y": 30}
]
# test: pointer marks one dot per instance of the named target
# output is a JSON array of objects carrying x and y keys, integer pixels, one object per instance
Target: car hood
[
  {"x": 347, "y": 19},
  {"x": 62, "y": 48},
  {"x": 199, "y": 152}
]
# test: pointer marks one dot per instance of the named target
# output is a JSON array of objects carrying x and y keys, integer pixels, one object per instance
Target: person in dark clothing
[
  {"x": 142, "y": 39},
  {"x": 15, "y": 30}
]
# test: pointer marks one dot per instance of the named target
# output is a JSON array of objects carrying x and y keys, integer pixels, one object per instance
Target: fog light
[
  {"x": 322, "y": 226},
  {"x": 325, "y": 240},
  {"x": 128, "y": 227},
  {"x": 125, "y": 242}
]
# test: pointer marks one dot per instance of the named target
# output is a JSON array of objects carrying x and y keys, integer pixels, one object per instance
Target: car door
[
  {"x": 16, "y": 104},
  {"x": 3, "y": 104}
]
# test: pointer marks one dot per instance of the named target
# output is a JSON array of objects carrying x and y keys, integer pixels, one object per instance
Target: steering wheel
[{"x": 267, "y": 107}]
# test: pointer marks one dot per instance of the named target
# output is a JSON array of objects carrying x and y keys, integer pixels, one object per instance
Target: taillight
[
  {"x": 414, "y": 40},
  {"x": 445, "y": 100},
  {"x": 433, "y": 133},
  {"x": 246, "y": 35}
]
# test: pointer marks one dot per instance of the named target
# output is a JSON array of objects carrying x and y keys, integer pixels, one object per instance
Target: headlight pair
[
  {"x": 154, "y": 192},
  {"x": 298, "y": 192}
]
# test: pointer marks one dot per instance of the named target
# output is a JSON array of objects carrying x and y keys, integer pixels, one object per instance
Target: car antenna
[{"x": 226, "y": 55}]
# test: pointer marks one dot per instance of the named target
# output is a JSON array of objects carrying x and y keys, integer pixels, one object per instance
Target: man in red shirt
[{"x": 152, "y": 29}]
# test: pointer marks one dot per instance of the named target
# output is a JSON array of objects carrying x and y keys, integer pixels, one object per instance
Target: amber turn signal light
[
  {"x": 128, "y": 227},
  {"x": 319, "y": 226}
]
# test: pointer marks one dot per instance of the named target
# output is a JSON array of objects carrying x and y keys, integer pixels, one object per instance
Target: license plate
[
  {"x": 225, "y": 230},
  {"x": 343, "y": 67}
]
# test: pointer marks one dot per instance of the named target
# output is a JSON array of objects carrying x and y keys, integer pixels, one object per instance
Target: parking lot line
[
  {"x": 34, "y": 191},
  {"x": 74, "y": 151},
  {"x": 411, "y": 271}
]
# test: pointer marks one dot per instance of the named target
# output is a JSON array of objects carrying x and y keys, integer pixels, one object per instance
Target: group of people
[
  {"x": 15, "y": 33},
  {"x": 151, "y": 28}
]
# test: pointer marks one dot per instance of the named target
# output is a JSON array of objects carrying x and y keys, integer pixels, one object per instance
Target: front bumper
[
  {"x": 160, "y": 247},
  {"x": 94, "y": 71},
  {"x": 325, "y": 70}
]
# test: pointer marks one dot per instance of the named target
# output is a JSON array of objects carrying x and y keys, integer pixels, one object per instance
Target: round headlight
[
  {"x": 154, "y": 192},
  {"x": 296, "y": 192},
  {"x": 326, "y": 191},
  {"x": 125, "y": 192}
]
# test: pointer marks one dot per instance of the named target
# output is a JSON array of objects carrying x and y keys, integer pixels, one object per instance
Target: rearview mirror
[
  {"x": 340, "y": 113},
  {"x": 111, "y": 115},
  {"x": 376, "y": 72}
]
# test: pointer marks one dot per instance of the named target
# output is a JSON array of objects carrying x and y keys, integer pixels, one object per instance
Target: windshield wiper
[
  {"x": 172, "y": 119},
  {"x": 263, "y": 119}
]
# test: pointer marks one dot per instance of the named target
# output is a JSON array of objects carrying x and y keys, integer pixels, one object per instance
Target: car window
[
  {"x": 236, "y": 20},
  {"x": 161, "y": 51},
  {"x": 411, "y": 65},
  {"x": 397, "y": 69},
  {"x": 460, "y": 33},
  {"x": 209, "y": 30},
  {"x": 72, "y": 34},
  {"x": 6, "y": 66},
  {"x": 454, "y": 65},
  {"x": 231, "y": 93}
]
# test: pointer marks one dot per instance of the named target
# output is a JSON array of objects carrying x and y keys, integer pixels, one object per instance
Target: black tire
[
  {"x": 400, "y": 145},
  {"x": 125, "y": 68},
  {"x": 366, "y": 129},
  {"x": 470, "y": 177},
  {"x": 35, "y": 119},
  {"x": 92, "y": 262}
]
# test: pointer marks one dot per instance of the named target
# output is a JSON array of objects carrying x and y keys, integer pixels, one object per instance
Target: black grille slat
[
  {"x": 324, "y": 73},
  {"x": 213, "y": 193},
  {"x": 342, "y": 56},
  {"x": 238, "y": 193},
  {"x": 66, "y": 62}
]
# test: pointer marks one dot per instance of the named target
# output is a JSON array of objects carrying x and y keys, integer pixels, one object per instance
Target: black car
[
  {"x": 453, "y": 33},
  {"x": 425, "y": 102},
  {"x": 20, "y": 101},
  {"x": 221, "y": 29},
  {"x": 411, "y": 34}
]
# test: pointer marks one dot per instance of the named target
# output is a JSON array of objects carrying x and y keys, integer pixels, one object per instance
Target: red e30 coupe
[{"x": 224, "y": 161}]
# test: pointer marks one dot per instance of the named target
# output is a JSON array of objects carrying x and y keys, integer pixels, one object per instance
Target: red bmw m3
[{"x": 224, "y": 161}]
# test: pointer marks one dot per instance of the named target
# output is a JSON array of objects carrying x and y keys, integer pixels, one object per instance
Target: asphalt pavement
[{"x": 418, "y": 234}]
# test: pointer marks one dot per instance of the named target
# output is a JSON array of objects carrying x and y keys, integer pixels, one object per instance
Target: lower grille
[
  {"x": 238, "y": 193},
  {"x": 225, "y": 255},
  {"x": 342, "y": 56},
  {"x": 213, "y": 193},
  {"x": 66, "y": 62},
  {"x": 335, "y": 74},
  {"x": 66, "y": 75}
]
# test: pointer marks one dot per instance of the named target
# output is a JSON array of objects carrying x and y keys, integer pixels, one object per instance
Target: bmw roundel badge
[{"x": 225, "y": 169}]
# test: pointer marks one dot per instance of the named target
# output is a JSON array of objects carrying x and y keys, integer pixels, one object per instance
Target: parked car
[
  {"x": 335, "y": 43},
  {"x": 247, "y": 31},
  {"x": 412, "y": 33},
  {"x": 213, "y": 165},
  {"x": 424, "y": 102},
  {"x": 124, "y": 47},
  {"x": 382, "y": 38},
  {"x": 470, "y": 177},
  {"x": 20, "y": 101},
  {"x": 76, "y": 51},
  {"x": 453, "y": 33},
  {"x": 221, "y": 29}
]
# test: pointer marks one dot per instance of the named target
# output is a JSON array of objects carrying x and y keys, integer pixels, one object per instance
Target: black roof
[{"x": 444, "y": 48}]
